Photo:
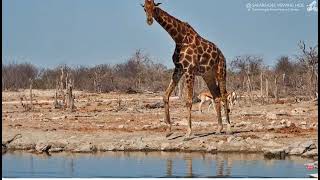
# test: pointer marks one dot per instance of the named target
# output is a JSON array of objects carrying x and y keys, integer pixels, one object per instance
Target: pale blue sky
[{"x": 90, "y": 32}]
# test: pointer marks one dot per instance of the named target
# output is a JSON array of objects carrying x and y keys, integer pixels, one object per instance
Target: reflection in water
[
  {"x": 229, "y": 166},
  {"x": 169, "y": 168},
  {"x": 149, "y": 164},
  {"x": 220, "y": 162},
  {"x": 31, "y": 165},
  {"x": 71, "y": 166},
  {"x": 188, "y": 161},
  {"x": 219, "y": 166},
  {"x": 189, "y": 167}
]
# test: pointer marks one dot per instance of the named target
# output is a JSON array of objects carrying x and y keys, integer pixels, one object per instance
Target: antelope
[{"x": 205, "y": 96}]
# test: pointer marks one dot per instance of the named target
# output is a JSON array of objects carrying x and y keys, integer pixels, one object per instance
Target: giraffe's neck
[{"x": 176, "y": 28}]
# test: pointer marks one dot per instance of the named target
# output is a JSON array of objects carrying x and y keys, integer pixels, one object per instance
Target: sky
[{"x": 90, "y": 32}]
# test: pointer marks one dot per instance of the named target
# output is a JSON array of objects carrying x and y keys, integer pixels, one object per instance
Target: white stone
[
  {"x": 268, "y": 136},
  {"x": 274, "y": 153},
  {"x": 242, "y": 123},
  {"x": 42, "y": 147},
  {"x": 164, "y": 146},
  {"x": 220, "y": 142},
  {"x": 303, "y": 123},
  {"x": 85, "y": 148},
  {"x": 311, "y": 153},
  {"x": 298, "y": 111},
  {"x": 308, "y": 145},
  {"x": 271, "y": 116},
  {"x": 283, "y": 121},
  {"x": 288, "y": 123},
  {"x": 121, "y": 126},
  {"x": 297, "y": 151}
]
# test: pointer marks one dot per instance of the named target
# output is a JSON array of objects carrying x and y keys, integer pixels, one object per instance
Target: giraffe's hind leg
[
  {"x": 226, "y": 107},
  {"x": 211, "y": 82},
  {"x": 221, "y": 76}
]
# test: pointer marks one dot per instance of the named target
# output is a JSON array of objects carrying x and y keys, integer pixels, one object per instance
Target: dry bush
[
  {"x": 290, "y": 77},
  {"x": 16, "y": 76}
]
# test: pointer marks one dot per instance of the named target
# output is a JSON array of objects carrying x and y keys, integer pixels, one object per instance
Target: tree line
[
  {"x": 139, "y": 72},
  {"x": 290, "y": 76}
]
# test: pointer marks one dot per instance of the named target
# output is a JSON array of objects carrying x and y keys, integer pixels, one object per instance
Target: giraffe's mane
[
  {"x": 169, "y": 15},
  {"x": 172, "y": 17}
]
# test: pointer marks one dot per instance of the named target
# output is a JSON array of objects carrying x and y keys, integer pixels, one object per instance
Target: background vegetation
[{"x": 290, "y": 76}]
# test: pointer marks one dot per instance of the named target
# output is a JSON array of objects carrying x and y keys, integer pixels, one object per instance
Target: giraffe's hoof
[
  {"x": 219, "y": 130},
  {"x": 188, "y": 136},
  {"x": 229, "y": 131}
]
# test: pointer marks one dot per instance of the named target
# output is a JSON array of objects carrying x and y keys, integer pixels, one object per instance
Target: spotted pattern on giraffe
[{"x": 193, "y": 55}]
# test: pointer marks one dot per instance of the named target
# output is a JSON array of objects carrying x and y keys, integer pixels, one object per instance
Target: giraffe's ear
[{"x": 158, "y": 4}]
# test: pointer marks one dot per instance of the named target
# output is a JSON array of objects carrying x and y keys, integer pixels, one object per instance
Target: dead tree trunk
[
  {"x": 67, "y": 78},
  {"x": 267, "y": 89},
  {"x": 66, "y": 94},
  {"x": 261, "y": 85},
  {"x": 31, "y": 103},
  {"x": 70, "y": 98},
  {"x": 61, "y": 78},
  {"x": 261, "y": 88},
  {"x": 95, "y": 83},
  {"x": 249, "y": 89},
  {"x": 276, "y": 88},
  {"x": 61, "y": 88},
  {"x": 284, "y": 85},
  {"x": 56, "y": 104}
]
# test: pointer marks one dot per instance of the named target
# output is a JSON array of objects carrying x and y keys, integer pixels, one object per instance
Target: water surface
[{"x": 150, "y": 164}]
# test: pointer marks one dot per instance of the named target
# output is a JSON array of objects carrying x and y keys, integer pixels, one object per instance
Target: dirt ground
[{"x": 118, "y": 121}]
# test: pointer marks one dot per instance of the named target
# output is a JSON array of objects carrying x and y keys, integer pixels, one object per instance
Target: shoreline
[{"x": 46, "y": 142}]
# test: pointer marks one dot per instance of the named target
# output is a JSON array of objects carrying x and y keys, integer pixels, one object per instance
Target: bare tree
[
  {"x": 31, "y": 103},
  {"x": 309, "y": 58},
  {"x": 17, "y": 76}
]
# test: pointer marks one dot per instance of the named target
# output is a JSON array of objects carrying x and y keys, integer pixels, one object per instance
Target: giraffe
[{"x": 193, "y": 56}]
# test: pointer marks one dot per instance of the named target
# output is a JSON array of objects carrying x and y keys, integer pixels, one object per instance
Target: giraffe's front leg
[
  {"x": 224, "y": 95},
  {"x": 210, "y": 79},
  {"x": 189, "y": 88},
  {"x": 173, "y": 83},
  {"x": 218, "y": 111}
]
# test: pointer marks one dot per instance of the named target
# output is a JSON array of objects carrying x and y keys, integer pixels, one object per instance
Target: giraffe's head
[{"x": 148, "y": 7}]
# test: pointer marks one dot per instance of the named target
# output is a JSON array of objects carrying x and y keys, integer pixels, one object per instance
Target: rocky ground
[{"x": 135, "y": 122}]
